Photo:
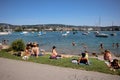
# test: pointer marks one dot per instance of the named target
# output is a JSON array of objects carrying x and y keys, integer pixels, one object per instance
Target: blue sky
[{"x": 71, "y": 12}]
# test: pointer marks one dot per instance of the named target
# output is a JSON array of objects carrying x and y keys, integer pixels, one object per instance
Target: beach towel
[{"x": 74, "y": 61}]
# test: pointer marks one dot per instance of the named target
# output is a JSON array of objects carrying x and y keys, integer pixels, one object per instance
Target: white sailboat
[
  {"x": 98, "y": 34},
  {"x": 113, "y": 33}
]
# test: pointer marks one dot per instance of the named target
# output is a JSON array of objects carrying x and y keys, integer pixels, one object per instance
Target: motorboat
[
  {"x": 24, "y": 32},
  {"x": 65, "y": 34},
  {"x": 101, "y": 35},
  {"x": 68, "y": 32},
  {"x": 113, "y": 34},
  {"x": 5, "y": 33},
  {"x": 84, "y": 33},
  {"x": 41, "y": 33}
]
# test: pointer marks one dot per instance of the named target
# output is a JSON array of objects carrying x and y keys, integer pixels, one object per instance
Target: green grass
[{"x": 96, "y": 65}]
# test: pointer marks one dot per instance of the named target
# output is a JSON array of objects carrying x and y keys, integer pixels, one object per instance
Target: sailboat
[
  {"x": 113, "y": 33},
  {"x": 101, "y": 34}
]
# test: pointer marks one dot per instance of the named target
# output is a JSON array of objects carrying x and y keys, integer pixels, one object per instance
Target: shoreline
[{"x": 100, "y": 56}]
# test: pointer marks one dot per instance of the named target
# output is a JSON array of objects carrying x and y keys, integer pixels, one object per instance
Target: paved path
[{"x": 21, "y": 70}]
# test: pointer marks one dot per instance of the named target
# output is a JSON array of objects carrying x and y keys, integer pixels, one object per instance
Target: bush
[{"x": 18, "y": 45}]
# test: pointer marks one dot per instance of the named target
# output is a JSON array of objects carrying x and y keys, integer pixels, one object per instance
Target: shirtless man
[{"x": 35, "y": 50}]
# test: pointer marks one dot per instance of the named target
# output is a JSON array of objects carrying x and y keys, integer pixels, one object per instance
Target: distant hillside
[{"x": 57, "y": 27}]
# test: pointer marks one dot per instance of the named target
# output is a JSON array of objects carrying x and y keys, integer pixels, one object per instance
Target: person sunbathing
[
  {"x": 114, "y": 65},
  {"x": 83, "y": 59},
  {"x": 54, "y": 54}
]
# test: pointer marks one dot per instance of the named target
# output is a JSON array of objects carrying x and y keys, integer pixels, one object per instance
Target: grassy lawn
[{"x": 96, "y": 65}]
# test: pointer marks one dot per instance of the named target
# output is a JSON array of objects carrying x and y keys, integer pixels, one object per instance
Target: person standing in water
[
  {"x": 73, "y": 43},
  {"x": 101, "y": 46},
  {"x": 117, "y": 45}
]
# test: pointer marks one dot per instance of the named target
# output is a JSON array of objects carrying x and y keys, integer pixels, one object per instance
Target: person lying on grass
[{"x": 114, "y": 65}]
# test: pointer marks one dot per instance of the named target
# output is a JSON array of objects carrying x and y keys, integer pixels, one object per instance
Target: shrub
[{"x": 18, "y": 45}]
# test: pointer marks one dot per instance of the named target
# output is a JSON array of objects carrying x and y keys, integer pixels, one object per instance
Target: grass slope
[{"x": 96, "y": 65}]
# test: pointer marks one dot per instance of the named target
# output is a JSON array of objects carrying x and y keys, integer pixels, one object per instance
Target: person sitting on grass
[
  {"x": 27, "y": 52},
  {"x": 84, "y": 59},
  {"x": 42, "y": 52},
  {"x": 114, "y": 65},
  {"x": 35, "y": 50},
  {"x": 54, "y": 54}
]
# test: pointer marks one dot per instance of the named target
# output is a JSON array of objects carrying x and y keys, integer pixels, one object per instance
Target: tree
[{"x": 18, "y": 45}]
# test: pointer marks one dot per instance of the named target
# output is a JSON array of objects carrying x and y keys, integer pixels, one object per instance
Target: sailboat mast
[{"x": 99, "y": 21}]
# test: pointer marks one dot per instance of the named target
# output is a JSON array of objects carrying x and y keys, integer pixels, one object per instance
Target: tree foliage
[{"x": 18, "y": 45}]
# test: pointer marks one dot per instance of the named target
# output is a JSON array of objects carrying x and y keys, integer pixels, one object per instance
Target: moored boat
[
  {"x": 113, "y": 34},
  {"x": 4, "y": 33},
  {"x": 101, "y": 35},
  {"x": 24, "y": 32}
]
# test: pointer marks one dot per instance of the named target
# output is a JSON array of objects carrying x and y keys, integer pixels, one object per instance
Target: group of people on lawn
[{"x": 32, "y": 49}]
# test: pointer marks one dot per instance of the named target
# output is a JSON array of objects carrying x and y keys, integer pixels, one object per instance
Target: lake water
[{"x": 64, "y": 44}]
